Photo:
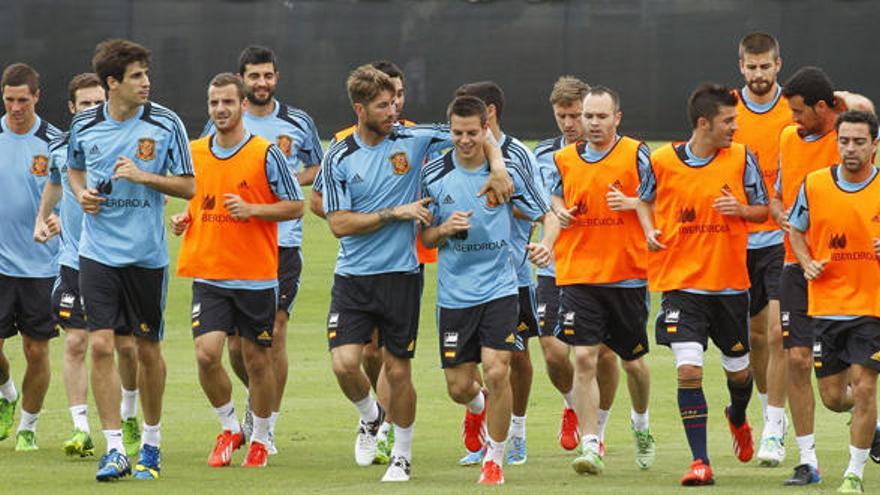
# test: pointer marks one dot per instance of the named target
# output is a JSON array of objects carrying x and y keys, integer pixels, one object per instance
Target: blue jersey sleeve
[
  {"x": 178, "y": 160},
  {"x": 318, "y": 184},
  {"x": 281, "y": 181},
  {"x": 799, "y": 218},
  {"x": 75, "y": 157},
  {"x": 527, "y": 196},
  {"x": 336, "y": 193},
  {"x": 756, "y": 192},
  {"x": 437, "y": 136},
  {"x": 647, "y": 182},
  {"x": 310, "y": 153}
]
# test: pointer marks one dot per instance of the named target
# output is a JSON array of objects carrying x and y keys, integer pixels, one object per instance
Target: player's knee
[
  {"x": 834, "y": 398},
  {"x": 207, "y": 359},
  {"x": 397, "y": 374},
  {"x": 102, "y": 348},
  {"x": 345, "y": 368},
  {"x": 774, "y": 335},
  {"x": 75, "y": 345},
  {"x": 460, "y": 391},
  {"x": 690, "y": 376},
  {"x": 586, "y": 360},
  {"x": 148, "y": 353},
  {"x": 521, "y": 362},
  {"x": 36, "y": 351},
  {"x": 496, "y": 376},
  {"x": 736, "y": 367},
  {"x": 800, "y": 363},
  {"x": 636, "y": 367},
  {"x": 864, "y": 393}
]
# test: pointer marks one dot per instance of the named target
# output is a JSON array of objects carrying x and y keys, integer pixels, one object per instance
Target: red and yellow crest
[
  {"x": 285, "y": 142},
  {"x": 400, "y": 162},
  {"x": 146, "y": 149},
  {"x": 40, "y": 165}
]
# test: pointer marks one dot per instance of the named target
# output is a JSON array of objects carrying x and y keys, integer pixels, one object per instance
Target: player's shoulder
[
  {"x": 294, "y": 116},
  {"x": 340, "y": 150},
  {"x": 417, "y": 130},
  {"x": 344, "y": 133},
  {"x": 47, "y": 132},
  {"x": 156, "y": 112},
  {"x": 434, "y": 171},
  {"x": 59, "y": 143},
  {"x": 549, "y": 146},
  {"x": 87, "y": 118}
]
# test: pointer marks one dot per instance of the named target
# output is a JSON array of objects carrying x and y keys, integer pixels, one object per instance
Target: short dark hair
[
  {"x": 856, "y": 117},
  {"x": 114, "y": 55},
  {"x": 706, "y": 101},
  {"x": 812, "y": 84},
  {"x": 389, "y": 68},
  {"x": 81, "y": 81},
  {"x": 365, "y": 83},
  {"x": 20, "y": 74},
  {"x": 256, "y": 54},
  {"x": 468, "y": 106},
  {"x": 227, "y": 79},
  {"x": 604, "y": 90},
  {"x": 758, "y": 43},
  {"x": 488, "y": 91}
]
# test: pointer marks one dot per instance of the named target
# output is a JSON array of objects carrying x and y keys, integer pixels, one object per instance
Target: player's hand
[
  {"x": 417, "y": 210},
  {"x": 498, "y": 188},
  {"x": 618, "y": 201},
  {"x": 179, "y": 223},
  {"x": 539, "y": 254},
  {"x": 457, "y": 222},
  {"x": 566, "y": 216},
  {"x": 90, "y": 200},
  {"x": 237, "y": 207},
  {"x": 782, "y": 221},
  {"x": 42, "y": 233},
  {"x": 728, "y": 205},
  {"x": 654, "y": 243},
  {"x": 814, "y": 268},
  {"x": 54, "y": 225},
  {"x": 126, "y": 169}
]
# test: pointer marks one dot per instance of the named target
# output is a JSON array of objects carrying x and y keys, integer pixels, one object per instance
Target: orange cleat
[
  {"x": 227, "y": 442},
  {"x": 699, "y": 474},
  {"x": 474, "y": 430},
  {"x": 569, "y": 435},
  {"x": 743, "y": 445},
  {"x": 257, "y": 455},
  {"x": 491, "y": 474}
]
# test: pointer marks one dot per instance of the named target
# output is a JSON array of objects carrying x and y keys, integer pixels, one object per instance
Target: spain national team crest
[
  {"x": 285, "y": 142},
  {"x": 40, "y": 165},
  {"x": 400, "y": 162},
  {"x": 146, "y": 150}
]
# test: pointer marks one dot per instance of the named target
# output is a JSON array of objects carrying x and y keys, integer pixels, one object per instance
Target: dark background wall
[{"x": 652, "y": 51}]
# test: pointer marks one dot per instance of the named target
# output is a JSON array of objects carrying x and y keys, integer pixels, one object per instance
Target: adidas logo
[
  {"x": 638, "y": 348},
  {"x": 876, "y": 356},
  {"x": 145, "y": 328},
  {"x": 243, "y": 185},
  {"x": 837, "y": 241},
  {"x": 264, "y": 335},
  {"x": 356, "y": 179},
  {"x": 209, "y": 202},
  {"x": 411, "y": 347},
  {"x": 726, "y": 189},
  {"x": 522, "y": 327},
  {"x": 94, "y": 150},
  {"x": 737, "y": 347},
  {"x": 510, "y": 339},
  {"x": 448, "y": 200},
  {"x": 617, "y": 185}
]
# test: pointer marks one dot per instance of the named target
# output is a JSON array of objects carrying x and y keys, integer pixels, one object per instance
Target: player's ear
[{"x": 71, "y": 107}]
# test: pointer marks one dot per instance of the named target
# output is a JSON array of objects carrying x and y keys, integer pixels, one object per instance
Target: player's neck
[
  {"x": 22, "y": 128},
  {"x": 856, "y": 176},
  {"x": 575, "y": 140},
  {"x": 602, "y": 147},
  {"x": 231, "y": 138},
  {"x": 701, "y": 147},
  {"x": 765, "y": 98},
  {"x": 368, "y": 136},
  {"x": 473, "y": 163},
  {"x": 829, "y": 122},
  {"x": 120, "y": 110},
  {"x": 261, "y": 110},
  {"x": 496, "y": 130}
]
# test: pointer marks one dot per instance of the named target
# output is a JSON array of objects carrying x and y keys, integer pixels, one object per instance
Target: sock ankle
[
  {"x": 114, "y": 441},
  {"x": 8, "y": 391},
  {"x": 151, "y": 435},
  {"x": 568, "y": 399},
  {"x": 128, "y": 406},
  {"x": 403, "y": 438},
  {"x": 273, "y": 420},
  {"x": 640, "y": 421},
  {"x": 368, "y": 407},
  {"x": 603, "y": 422},
  {"x": 28, "y": 421},
  {"x": 763, "y": 399},
  {"x": 807, "y": 447},
  {"x": 228, "y": 419},
  {"x": 261, "y": 430},
  {"x": 477, "y": 404},
  {"x": 857, "y": 459},
  {"x": 494, "y": 451},
  {"x": 517, "y": 427},
  {"x": 774, "y": 422},
  {"x": 80, "y": 416}
]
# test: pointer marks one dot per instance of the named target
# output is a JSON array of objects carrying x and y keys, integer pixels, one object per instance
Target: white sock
[
  {"x": 590, "y": 442},
  {"x": 28, "y": 421},
  {"x": 403, "y": 438},
  {"x": 763, "y": 399},
  {"x": 568, "y": 399},
  {"x": 603, "y": 422},
  {"x": 80, "y": 416},
  {"x": 227, "y": 417},
  {"x": 494, "y": 451},
  {"x": 128, "y": 407},
  {"x": 857, "y": 459},
  {"x": 639, "y": 420},
  {"x": 368, "y": 407},
  {"x": 477, "y": 404},
  {"x": 807, "y": 446},
  {"x": 517, "y": 427},
  {"x": 774, "y": 422},
  {"x": 8, "y": 391},
  {"x": 261, "y": 430},
  {"x": 151, "y": 435},
  {"x": 272, "y": 420},
  {"x": 383, "y": 431},
  {"x": 114, "y": 441}
]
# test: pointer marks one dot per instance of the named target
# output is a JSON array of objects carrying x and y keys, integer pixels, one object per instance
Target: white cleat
[
  {"x": 398, "y": 469},
  {"x": 367, "y": 443},
  {"x": 772, "y": 452}
]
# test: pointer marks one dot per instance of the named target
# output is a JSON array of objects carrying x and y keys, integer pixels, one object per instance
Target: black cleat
[{"x": 804, "y": 474}]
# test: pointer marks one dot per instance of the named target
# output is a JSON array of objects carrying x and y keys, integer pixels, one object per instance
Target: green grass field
[{"x": 315, "y": 434}]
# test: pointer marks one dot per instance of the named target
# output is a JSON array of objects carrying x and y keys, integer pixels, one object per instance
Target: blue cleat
[
  {"x": 472, "y": 458},
  {"x": 112, "y": 466},
  {"x": 147, "y": 467},
  {"x": 804, "y": 474},
  {"x": 516, "y": 451}
]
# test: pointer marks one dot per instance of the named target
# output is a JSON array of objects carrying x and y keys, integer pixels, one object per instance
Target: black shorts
[
  {"x": 688, "y": 317},
  {"x": 66, "y": 301},
  {"x": 527, "y": 326},
  {"x": 290, "y": 265},
  {"x": 765, "y": 268},
  {"x": 797, "y": 329},
  {"x": 840, "y": 344},
  {"x": 387, "y": 301},
  {"x": 465, "y": 331},
  {"x": 548, "y": 306},
  {"x": 614, "y": 316},
  {"x": 25, "y": 307},
  {"x": 249, "y": 313},
  {"x": 127, "y": 299}
]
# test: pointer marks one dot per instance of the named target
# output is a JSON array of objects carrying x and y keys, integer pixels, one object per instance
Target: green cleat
[
  {"x": 25, "y": 441},
  {"x": 851, "y": 484},
  {"x": 646, "y": 450},
  {"x": 79, "y": 445},
  {"x": 7, "y": 413},
  {"x": 383, "y": 452},
  {"x": 588, "y": 463},
  {"x": 131, "y": 437}
]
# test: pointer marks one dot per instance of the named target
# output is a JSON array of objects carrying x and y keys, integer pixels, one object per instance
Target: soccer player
[
  {"x": 231, "y": 248},
  {"x": 703, "y": 192},
  {"x": 600, "y": 260},
  {"x": 85, "y": 91},
  {"x": 527, "y": 324},
  {"x": 835, "y": 235},
  {"x": 27, "y": 268},
  {"x": 761, "y": 114},
  {"x": 566, "y": 99},
  {"x": 119, "y": 155},
  {"x": 371, "y": 202},
  {"x": 477, "y": 295},
  {"x": 296, "y": 135}
]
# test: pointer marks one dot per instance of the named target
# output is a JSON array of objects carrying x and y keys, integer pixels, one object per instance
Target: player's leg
[
  {"x": 289, "y": 271},
  {"x": 373, "y": 368},
  {"x": 586, "y": 405},
  {"x": 76, "y": 384},
  {"x": 608, "y": 377},
  {"x": 496, "y": 374},
  {"x": 127, "y": 364},
  {"x": 373, "y": 360},
  {"x": 772, "y": 450},
  {"x": 864, "y": 422},
  {"x": 521, "y": 375},
  {"x": 759, "y": 323},
  {"x": 261, "y": 367},
  {"x": 236, "y": 360},
  {"x": 8, "y": 392},
  {"x": 556, "y": 358}
]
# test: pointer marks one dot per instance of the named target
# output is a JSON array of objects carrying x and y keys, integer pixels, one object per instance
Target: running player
[
  {"x": 835, "y": 235},
  {"x": 477, "y": 291},
  {"x": 233, "y": 255},
  {"x": 27, "y": 268},
  {"x": 118, "y": 156},
  {"x": 761, "y": 114},
  {"x": 85, "y": 91},
  {"x": 370, "y": 199},
  {"x": 295, "y": 133},
  {"x": 703, "y": 192},
  {"x": 601, "y": 269}
]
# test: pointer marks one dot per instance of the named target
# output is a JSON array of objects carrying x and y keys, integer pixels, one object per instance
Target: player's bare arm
[
  {"x": 499, "y": 187},
  {"x": 182, "y": 186},
  {"x": 316, "y": 204},
  {"x": 306, "y": 177},
  {"x": 47, "y": 224},
  {"x": 89, "y": 199},
  {"x": 563, "y": 214},
  {"x": 812, "y": 268},
  {"x": 271, "y": 212},
  {"x": 435, "y": 236},
  {"x": 541, "y": 253},
  {"x": 645, "y": 213},
  {"x": 345, "y": 222},
  {"x": 779, "y": 213}
]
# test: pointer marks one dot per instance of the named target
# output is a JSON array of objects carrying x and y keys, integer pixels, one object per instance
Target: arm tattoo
[{"x": 386, "y": 215}]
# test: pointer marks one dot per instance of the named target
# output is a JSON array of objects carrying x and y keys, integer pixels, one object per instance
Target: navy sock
[
  {"x": 694, "y": 413},
  {"x": 740, "y": 393}
]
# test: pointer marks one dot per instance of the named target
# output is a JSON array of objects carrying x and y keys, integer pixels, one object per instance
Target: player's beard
[
  {"x": 252, "y": 97},
  {"x": 376, "y": 127},
  {"x": 760, "y": 88}
]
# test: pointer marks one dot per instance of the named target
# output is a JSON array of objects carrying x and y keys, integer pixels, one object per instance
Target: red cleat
[
  {"x": 743, "y": 445},
  {"x": 569, "y": 435},
  {"x": 474, "y": 431},
  {"x": 491, "y": 474},
  {"x": 698, "y": 475},
  {"x": 227, "y": 442},
  {"x": 257, "y": 455}
]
